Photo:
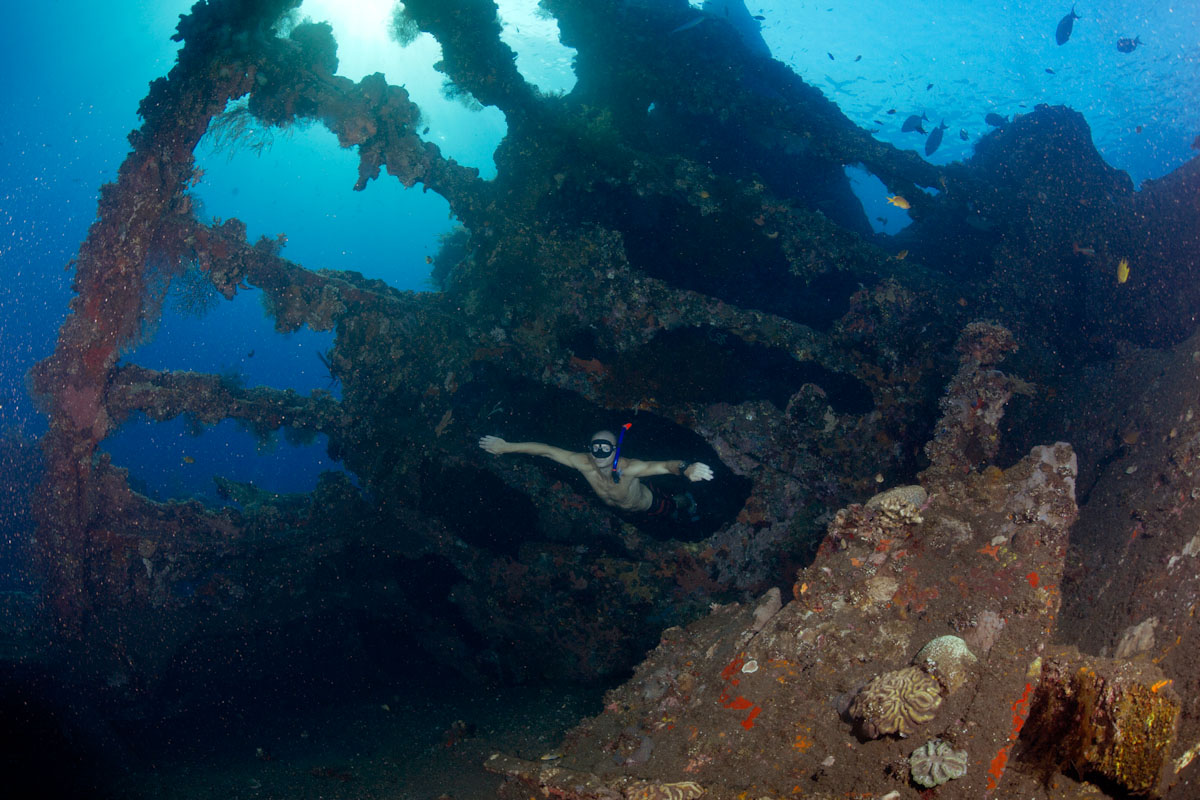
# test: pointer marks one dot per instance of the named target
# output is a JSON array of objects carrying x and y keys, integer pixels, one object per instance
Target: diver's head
[{"x": 602, "y": 448}]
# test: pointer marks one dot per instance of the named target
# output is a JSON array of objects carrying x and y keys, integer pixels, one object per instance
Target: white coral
[
  {"x": 936, "y": 762},
  {"x": 900, "y": 505}
]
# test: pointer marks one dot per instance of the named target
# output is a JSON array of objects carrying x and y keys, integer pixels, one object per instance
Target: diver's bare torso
[{"x": 629, "y": 494}]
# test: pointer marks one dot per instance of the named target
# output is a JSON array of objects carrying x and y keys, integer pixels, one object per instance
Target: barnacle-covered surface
[
  {"x": 1113, "y": 721},
  {"x": 619, "y": 265}
]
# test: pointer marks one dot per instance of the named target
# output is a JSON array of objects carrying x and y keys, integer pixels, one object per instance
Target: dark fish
[
  {"x": 891, "y": 111},
  {"x": 830, "y": 56},
  {"x": 1065, "y": 25},
  {"x": 913, "y": 123},
  {"x": 962, "y": 134},
  {"x": 928, "y": 86},
  {"x": 1196, "y": 143},
  {"x": 1049, "y": 71},
  {"x": 935, "y": 139},
  {"x": 858, "y": 58},
  {"x": 994, "y": 119},
  {"x": 759, "y": 17},
  {"x": 1126, "y": 45}
]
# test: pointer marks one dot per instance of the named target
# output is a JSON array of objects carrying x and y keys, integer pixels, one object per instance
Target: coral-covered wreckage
[{"x": 674, "y": 241}]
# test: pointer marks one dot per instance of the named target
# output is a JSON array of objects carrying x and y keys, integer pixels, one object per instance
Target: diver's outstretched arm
[
  {"x": 498, "y": 447},
  {"x": 693, "y": 471}
]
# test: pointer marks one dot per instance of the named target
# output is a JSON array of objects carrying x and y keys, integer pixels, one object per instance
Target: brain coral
[
  {"x": 684, "y": 790},
  {"x": 936, "y": 762},
  {"x": 896, "y": 702}
]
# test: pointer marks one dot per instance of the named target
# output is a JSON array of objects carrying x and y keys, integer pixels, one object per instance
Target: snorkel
[{"x": 616, "y": 473}]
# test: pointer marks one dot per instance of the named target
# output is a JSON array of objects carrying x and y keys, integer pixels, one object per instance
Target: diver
[{"x": 617, "y": 479}]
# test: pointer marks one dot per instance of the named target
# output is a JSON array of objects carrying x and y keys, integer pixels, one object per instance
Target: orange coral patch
[
  {"x": 1020, "y": 712},
  {"x": 992, "y": 550}
]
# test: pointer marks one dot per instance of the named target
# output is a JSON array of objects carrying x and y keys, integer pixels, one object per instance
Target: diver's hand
[
  {"x": 493, "y": 444},
  {"x": 698, "y": 471}
]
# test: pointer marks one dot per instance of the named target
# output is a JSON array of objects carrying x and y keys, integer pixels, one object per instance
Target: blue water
[{"x": 78, "y": 69}]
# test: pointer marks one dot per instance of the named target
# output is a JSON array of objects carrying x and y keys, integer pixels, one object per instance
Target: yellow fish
[
  {"x": 1123, "y": 270},
  {"x": 901, "y": 255},
  {"x": 189, "y": 460},
  {"x": 899, "y": 202}
]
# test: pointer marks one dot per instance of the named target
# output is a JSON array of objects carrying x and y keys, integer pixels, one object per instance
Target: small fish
[
  {"x": 1080, "y": 250},
  {"x": 1123, "y": 270},
  {"x": 1196, "y": 143},
  {"x": 425, "y": 131},
  {"x": 928, "y": 86},
  {"x": 913, "y": 123},
  {"x": 857, "y": 58},
  {"x": 994, "y": 119},
  {"x": 1126, "y": 45},
  {"x": 935, "y": 138},
  {"x": 830, "y": 56},
  {"x": 903, "y": 254},
  {"x": 691, "y": 23},
  {"x": 891, "y": 111},
  {"x": 1065, "y": 26},
  {"x": 190, "y": 460},
  {"x": 881, "y": 220},
  {"x": 962, "y": 134},
  {"x": 550, "y": 756},
  {"x": 1049, "y": 71},
  {"x": 1137, "y": 129},
  {"x": 428, "y": 259},
  {"x": 899, "y": 202},
  {"x": 760, "y": 17},
  {"x": 250, "y": 354}
]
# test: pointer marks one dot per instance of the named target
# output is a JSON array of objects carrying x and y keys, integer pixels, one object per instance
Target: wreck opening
[
  {"x": 250, "y": 350},
  {"x": 517, "y": 409},
  {"x": 178, "y": 459},
  {"x": 884, "y": 217},
  {"x": 731, "y": 253},
  {"x": 246, "y": 170},
  {"x": 541, "y": 57},
  {"x": 378, "y": 36},
  {"x": 705, "y": 364}
]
